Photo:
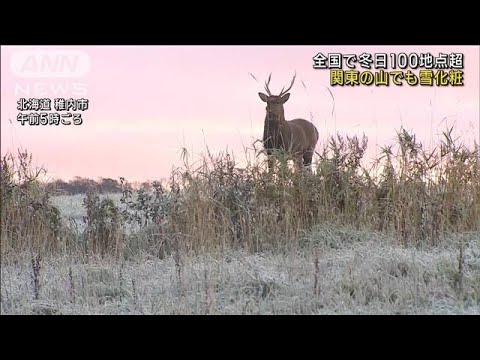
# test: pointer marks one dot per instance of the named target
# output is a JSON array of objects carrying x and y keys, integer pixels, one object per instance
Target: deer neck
[
  {"x": 275, "y": 134},
  {"x": 274, "y": 125}
]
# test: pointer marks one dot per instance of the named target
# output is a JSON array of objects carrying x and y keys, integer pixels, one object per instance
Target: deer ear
[
  {"x": 263, "y": 96},
  {"x": 284, "y": 98}
]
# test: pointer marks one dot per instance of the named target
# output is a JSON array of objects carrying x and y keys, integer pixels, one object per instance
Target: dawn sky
[{"x": 147, "y": 102}]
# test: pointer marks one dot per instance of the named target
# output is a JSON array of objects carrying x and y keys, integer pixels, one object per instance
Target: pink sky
[{"x": 147, "y": 102}]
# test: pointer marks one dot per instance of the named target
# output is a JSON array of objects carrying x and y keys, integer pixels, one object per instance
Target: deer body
[{"x": 297, "y": 137}]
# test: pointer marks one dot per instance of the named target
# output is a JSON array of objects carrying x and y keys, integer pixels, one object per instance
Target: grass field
[
  {"x": 330, "y": 271},
  {"x": 71, "y": 206},
  {"x": 401, "y": 237}
]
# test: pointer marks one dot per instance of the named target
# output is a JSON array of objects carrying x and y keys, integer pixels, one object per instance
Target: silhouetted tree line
[{"x": 79, "y": 185}]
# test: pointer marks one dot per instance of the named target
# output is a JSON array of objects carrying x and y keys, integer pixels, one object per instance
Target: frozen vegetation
[
  {"x": 328, "y": 271},
  {"x": 399, "y": 236}
]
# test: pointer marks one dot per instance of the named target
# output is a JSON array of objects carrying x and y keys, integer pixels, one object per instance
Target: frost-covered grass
[
  {"x": 71, "y": 206},
  {"x": 398, "y": 237},
  {"x": 328, "y": 271}
]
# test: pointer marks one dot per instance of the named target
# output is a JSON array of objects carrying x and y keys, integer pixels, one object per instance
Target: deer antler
[
  {"x": 266, "y": 85},
  {"x": 283, "y": 92}
]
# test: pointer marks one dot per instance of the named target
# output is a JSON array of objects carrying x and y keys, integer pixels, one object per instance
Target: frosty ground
[{"x": 328, "y": 270}]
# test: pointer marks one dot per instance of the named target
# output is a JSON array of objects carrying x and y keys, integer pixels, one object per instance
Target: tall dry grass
[
  {"x": 418, "y": 195},
  {"x": 28, "y": 221}
]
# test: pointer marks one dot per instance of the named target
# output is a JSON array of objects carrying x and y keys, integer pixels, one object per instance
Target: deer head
[{"x": 275, "y": 103}]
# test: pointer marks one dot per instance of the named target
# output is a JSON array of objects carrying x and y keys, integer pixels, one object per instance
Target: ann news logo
[{"x": 50, "y": 73}]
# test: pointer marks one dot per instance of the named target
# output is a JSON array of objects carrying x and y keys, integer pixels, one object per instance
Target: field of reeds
[{"x": 397, "y": 235}]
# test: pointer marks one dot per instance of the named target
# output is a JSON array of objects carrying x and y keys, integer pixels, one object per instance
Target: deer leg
[
  {"x": 307, "y": 159},
  {"x": 297, "y": 159},
  {"x": 271, "y": 163}
]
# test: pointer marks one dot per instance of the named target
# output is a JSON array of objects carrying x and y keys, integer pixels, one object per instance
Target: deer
[{"x": 297, "y": 137}]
